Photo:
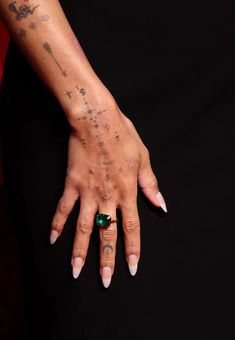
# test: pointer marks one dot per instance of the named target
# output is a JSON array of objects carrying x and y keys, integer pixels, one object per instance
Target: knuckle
[
  {"x": 145, "y": 155},
  {"x": 79, "y": 252},
  {"x": 133, "y": 249},
  {"x": 131, "y": 225},
  {"x": 56, "y": 225},
  {"x": 109, "y": 234},
  {"x": 63, "y": 208},
  {"x": 73, "y": 179},
  {"x": 84, "y": 227},
  {"x": 153, "y": 182},
  {"x": 106, "y": 263},
  {"x": 107, "y": 258}
]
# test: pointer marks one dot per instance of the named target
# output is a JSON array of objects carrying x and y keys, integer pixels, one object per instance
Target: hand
[{"x": 106, "y": 162}]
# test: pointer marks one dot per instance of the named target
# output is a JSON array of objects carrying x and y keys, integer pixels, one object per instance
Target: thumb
[{"x": 149, "y": 185}]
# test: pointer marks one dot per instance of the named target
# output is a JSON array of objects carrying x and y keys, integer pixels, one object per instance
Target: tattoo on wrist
[{"x": 22, "y": 12}]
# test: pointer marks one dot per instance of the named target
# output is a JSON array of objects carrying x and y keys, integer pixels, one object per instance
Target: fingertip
[
  {"x": 53, "y": 236},
  {"x": 161, "y": 201}
]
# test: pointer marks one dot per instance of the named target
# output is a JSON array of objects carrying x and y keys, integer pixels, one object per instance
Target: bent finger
[
  {"x": 63, "y": 209},
  {"x": 149, "y": 185}
]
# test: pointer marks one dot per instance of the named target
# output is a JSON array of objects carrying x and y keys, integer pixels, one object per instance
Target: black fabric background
[{"x": 170, "y": 66}]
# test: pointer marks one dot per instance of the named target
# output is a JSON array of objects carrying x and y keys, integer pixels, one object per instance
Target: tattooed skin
[
  {"x": 23, "y": 11},
  {"x": 107, "y": 249},
  {"x": 82, "y": 91},
  {"x": 106, "y": 198},
  {"x": 69, "y": 94},
  {"x": 45, "y": 17},
  {"x": 94, "y": 128},
  {"x": 32, "y": 25},
  {"x": 48, "y": 49},
  {"x": 22, "y": 33}
]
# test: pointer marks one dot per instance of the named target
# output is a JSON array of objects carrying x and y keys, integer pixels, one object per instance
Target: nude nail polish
[
  {"x": 133, "y": 264},
  {"x": 161, "y": 201},
  {"x": 54, "y": 235},
  {"x": 77, "y": 264},
  {"x": 106, "y": 274}
]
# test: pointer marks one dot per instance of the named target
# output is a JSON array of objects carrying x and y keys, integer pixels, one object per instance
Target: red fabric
[{"x": 4, "y": 38}]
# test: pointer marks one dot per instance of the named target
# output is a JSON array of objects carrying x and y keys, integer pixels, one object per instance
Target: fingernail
[
  {"x": 77, "y": 264},
  {"x": 53, "y": 236},
  {"x": 106, "y": 274},
  {"x": 161, "y": 201},
  {"x": 133, "y": 264}
]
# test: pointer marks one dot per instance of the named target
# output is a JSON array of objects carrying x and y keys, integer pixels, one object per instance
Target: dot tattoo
[
  {"x": 22, "y": 33},
  {"x": 45, "y": 17},
  {"x": 32, "y": 25}
]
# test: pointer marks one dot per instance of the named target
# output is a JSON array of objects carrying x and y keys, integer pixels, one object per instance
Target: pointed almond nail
[
  {"x": 133, "y": 264},
  {"x": 161, "y": 201},
  {"x": 77, "y": 264},
  {"x": 54, "y": 235},
  {"x": 106, "y": 276}
]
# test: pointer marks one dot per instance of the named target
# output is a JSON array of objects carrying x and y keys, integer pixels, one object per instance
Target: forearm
[{"x": 44, "y": 35}]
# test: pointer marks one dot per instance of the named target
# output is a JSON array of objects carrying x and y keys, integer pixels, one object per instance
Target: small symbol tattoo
[
  {"x": 82, "y": 91},
  {"x": 107, "y": 249},
  {"x": 68, "y": 93}
]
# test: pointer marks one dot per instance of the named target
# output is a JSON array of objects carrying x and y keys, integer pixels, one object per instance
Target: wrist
[{"x": 92, "y": 101}]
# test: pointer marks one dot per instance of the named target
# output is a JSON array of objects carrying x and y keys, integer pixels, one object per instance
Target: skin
[{"x": 107, "y": 159}]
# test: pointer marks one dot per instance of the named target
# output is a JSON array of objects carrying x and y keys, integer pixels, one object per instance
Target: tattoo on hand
[
  {"x": 106, "y": 198},
  {"x": 116, "y": 136},
  {"x": 82, "y": 91},
  {"x": 23, "y": 11},
  {"x": 48, "y": 49}
]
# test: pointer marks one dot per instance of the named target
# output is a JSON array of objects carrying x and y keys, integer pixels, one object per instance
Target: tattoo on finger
[{"x": 107, "y": 248}]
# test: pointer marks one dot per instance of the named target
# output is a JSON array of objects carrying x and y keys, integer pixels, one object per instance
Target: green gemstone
[{"x": 103, "y": 220}]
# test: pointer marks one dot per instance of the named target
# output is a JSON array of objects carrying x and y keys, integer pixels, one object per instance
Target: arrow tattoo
[{"x": 48, "y": 49}]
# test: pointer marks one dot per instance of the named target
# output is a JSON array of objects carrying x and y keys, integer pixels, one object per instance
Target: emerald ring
[{"x": 104, "y": 220}]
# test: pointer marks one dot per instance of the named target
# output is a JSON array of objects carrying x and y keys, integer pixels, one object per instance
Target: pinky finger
[{"x": 64, "y": 208}]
